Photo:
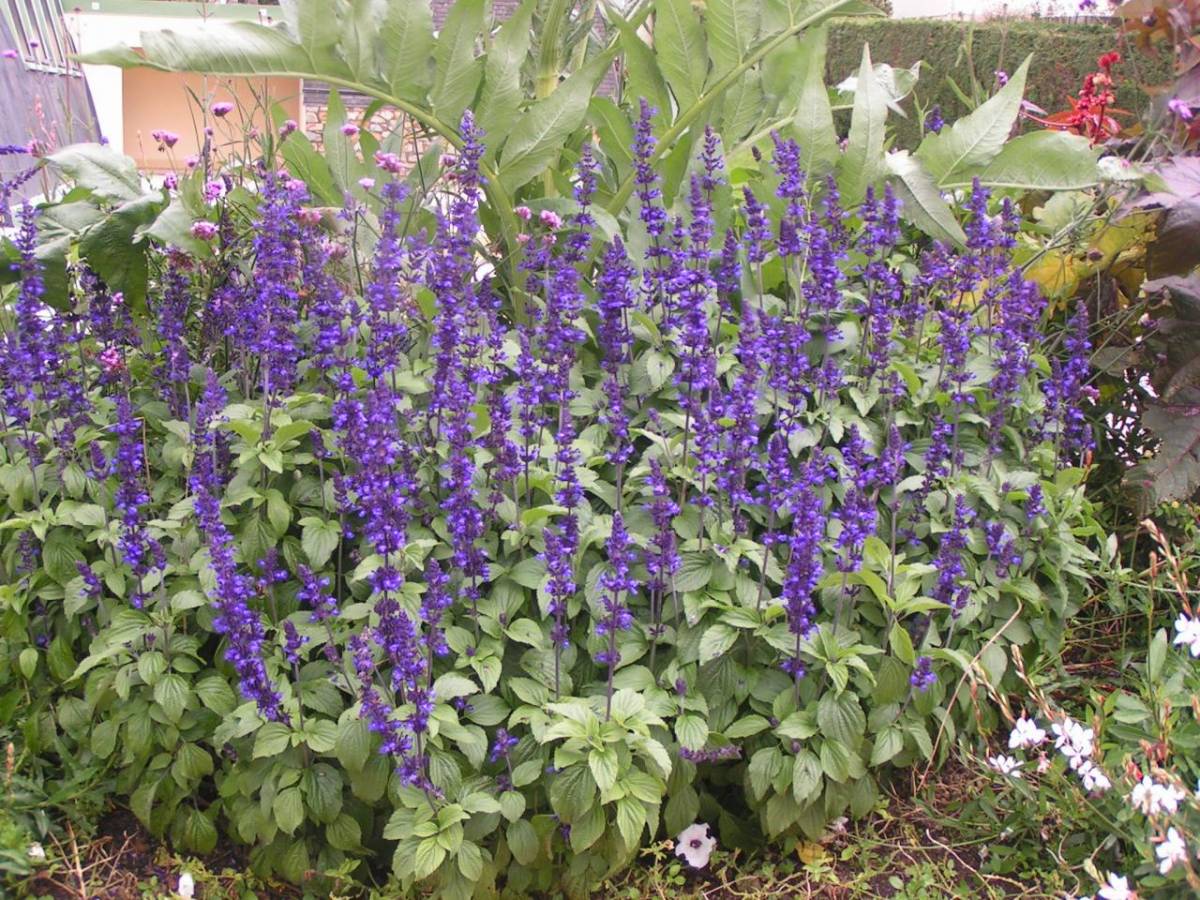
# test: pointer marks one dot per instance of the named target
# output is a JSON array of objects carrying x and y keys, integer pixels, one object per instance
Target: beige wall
[{"x": 164, "y": 101}]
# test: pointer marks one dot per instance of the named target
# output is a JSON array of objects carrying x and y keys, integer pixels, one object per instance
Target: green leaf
[
  {"x": 344, "y": 833},
  {"x": 320, "y": 735},
  {"x": 814, "y": 116},
  {"x": 452, "y": 685},
  {"x": 526, "y": 631},
  {"x": 497, "y": 109},
  {"x": 1040, "y": 161},
  {"x": 171, "y": 693},
  {"x": 541, "y": 131},
  {"x": 901, "y": 644},
  {"x": 191, "y": 762},
  {"x": 643, "y": 78},
  {"x": 731, "y": 27},
  {"x": 631, "y": 819},
  {"x": 921, "y": 201},
  {"x": 523, "y": 841},
  {"x": 319, "y": 539},
  {"x": 862, "y": 163},
  {"x": 746, "y": 727},
  {"x": 339, "y": 148},
  {"x": 100, "y": 169},
  {"x": 470, "y": 861},
  {"x": 888, "y": 743},
  {"x": 27, "y": 661},
  {"x": 288, "y": 809},
  {"x": 512, "y": 805},
  {"x": 974, "y": 140},
  {"x": 695, "y": 572},
  {"x": 113, "y": 249},
  {"x": 604, "y": 766},
  {"x": 322, "y": 787},
  {"x": 692, "y": 731},
  {"x": 716, "y": 641},
  {"x": 405, "y": 42},
  {"x": 198, "y": 833},
  {"x": 457, "y": 73},
  {"x": 839, "y": 716},
  {"x": 806, "y": 776},
  {"x": 353, "y": 743},
  {"x": 272, "y": 739},
  {"x": 216, "y": 695},
  {"x": 680, "y": 46}
]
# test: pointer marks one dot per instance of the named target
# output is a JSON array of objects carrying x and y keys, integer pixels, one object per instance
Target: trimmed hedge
[{"x": 1063, "y": 53}]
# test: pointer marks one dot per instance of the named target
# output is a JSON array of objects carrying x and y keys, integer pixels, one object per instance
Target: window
[{"x": 39, "y": 35}]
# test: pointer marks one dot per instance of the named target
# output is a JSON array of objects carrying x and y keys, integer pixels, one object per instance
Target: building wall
[{"x": 155, "y": 100}]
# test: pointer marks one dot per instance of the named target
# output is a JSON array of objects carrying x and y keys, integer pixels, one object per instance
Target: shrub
[{"x": 343, "y": 545}]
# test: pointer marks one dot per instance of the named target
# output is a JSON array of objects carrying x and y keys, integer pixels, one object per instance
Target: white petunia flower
[
  {"x": 36, "y": 852},
  {"x": 695, "y": 845},
  {"x": 1187, "y": 632},
  {"x": 1025, "y": 734},
  {"x": 187, "y": 885},
  {"x": 1116, "y": 888},
  {"x": 1005, "y": 765},
  {"x": 1171, "y": 851}
]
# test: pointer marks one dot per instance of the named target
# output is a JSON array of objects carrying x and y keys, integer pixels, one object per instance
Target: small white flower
[
  {"x": 1171, "y": 851},
  {"x": 36, "y": 853},
  {"x": 1005, "y": 765},
  {"x": 187, "y": 885},
  {"x": 1025, "y": 734},
  {"x": 1116, "y": 888},
  {"x": 1187, "y": 631},
  {"x": 1093, "y": 778},
  {"x": 1153, "y": 799},
  {"x": 695, "y": 845}
]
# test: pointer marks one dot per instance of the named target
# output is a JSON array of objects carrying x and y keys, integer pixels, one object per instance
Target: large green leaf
[
  {"x": 1041, "y": 160},
  {"x": 732, "y": 29},
  {"x": 974, "y": 140},
  {"x": 405, "y": 48},
  {"x": 496, "y": 112},
  {"x": 105, "y": 173},
  {"x": 862, "y": 163},
  {"x": 110, "y": 247},
  {"x": 315, "y": 26},
  {"x": 679, "y": 44},
  {"x": 539, "y": 136},
  {"x": 814, "y": 117},
  {"x": 458, "y": 71},
  {"x": 920, "y": 200},
  {"x": 643, "y": 79}
]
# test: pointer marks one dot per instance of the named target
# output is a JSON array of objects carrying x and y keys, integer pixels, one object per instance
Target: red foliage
[{"x": 1092, "y": 111}]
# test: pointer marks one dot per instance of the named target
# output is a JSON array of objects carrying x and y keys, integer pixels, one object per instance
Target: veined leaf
[
  {"x": 543, "y": 129},
  {"x": 1041, "y": 160},
  {"x": 405, "y": 45},
  {"x": 974, "y": 140},
  {"x": 496, "y": 111},
  {"x": 456, "y": 78},
  {"x": 732, "y": 29},
  {"x": 814, "y": 117},
  {"x": 679, "y": 45},
  {"x": 921, "y": 201},
  {"x": 643, "y": 78},
  {"x": 862, "y": 164}
]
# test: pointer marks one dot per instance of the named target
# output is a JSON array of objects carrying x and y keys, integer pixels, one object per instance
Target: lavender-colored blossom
[{"x": 923, "y": 676}]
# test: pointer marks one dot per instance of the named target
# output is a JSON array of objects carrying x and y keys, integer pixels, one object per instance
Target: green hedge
[{"x": 1062, "y": 54}]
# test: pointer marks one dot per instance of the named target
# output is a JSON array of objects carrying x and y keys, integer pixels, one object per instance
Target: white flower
[
  {"x": 1116, "y": 888},
  {"x": 36, "y": 853},
  {"x": 187, "y": 885},
  {"x": 1171, "y": 851},
  {"x": 695, "y": 845},
  {"x": 1153, "y": 799},
  {"x": 1025, "y": 734},
  {"x": 1093, "y": 777},
  {"x": 1005, "y": 765},
  {"x": 1187, "y": 631}
]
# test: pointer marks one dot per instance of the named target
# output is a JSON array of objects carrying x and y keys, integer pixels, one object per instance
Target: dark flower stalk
[{"x": 617, "y": 584}]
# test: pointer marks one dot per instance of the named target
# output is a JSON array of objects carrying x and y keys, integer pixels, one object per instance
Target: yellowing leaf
[{"x": 809, "y": 852}]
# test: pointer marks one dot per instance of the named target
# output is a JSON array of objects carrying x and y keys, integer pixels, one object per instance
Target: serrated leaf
[
  {"x": 288, "y": 809},
  {"x": 974, "y": 140},
  {"x": 680, "y": 47},
  {"x": 497, "y": 109},
  {"x": 458, "y": 71}
]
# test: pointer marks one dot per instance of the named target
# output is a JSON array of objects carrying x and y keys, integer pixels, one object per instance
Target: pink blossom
[
  {"x": 523, "y": 213},
  {"x": 1180, "y": 108},
  {"x": 349, "y": 130},
  {"x": 366, "y": 183},
  {"x": 204, "y": 231},
  {"x": 222, "y": 109},
  {"x": 288, "y": 126},
  {"x": 389, "y": 162},
  {"x": 165, "y": 138},
  {"x": 550, "y": 219}
]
